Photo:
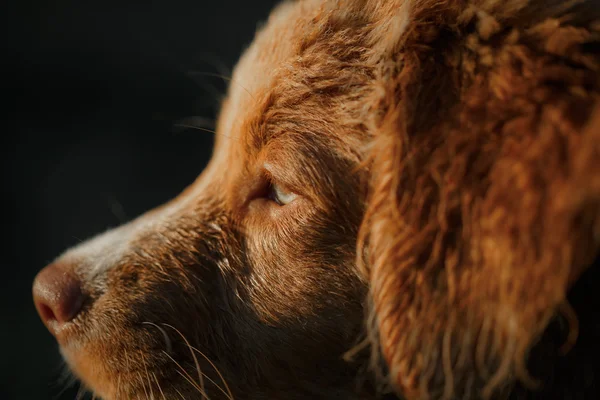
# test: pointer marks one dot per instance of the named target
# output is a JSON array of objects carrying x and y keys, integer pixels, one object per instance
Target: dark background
[{"x": 91, "y": 96}]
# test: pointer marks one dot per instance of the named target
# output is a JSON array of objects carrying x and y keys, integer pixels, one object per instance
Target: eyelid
[
  {"x": 282, "y": 196},
  {"x": 275, "y": 185}
]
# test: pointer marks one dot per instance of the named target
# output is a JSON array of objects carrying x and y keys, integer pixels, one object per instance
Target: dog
[{"x": 401, "y": 196}]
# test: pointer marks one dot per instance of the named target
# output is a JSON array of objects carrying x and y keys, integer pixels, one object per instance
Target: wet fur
[{"x": 447, "y": 158}]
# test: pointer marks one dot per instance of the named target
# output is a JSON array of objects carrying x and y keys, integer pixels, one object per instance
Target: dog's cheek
[{"x": 305, "y": 275}]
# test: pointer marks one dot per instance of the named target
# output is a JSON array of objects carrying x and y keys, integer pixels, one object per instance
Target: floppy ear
[{"x": 484, "y": 203}]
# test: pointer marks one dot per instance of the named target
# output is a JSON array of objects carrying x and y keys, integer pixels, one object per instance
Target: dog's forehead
[
  {"x": 273, "y": 48},
  {"x": 276, "y": 44}
]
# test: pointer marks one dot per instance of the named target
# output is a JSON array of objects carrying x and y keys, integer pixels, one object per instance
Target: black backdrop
[{"x": 91, "y": 94}]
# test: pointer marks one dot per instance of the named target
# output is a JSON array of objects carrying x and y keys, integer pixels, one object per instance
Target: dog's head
[{"x": 424, "y": 172}]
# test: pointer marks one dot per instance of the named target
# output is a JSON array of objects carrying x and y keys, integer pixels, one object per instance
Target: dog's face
[
  {"x": 423, "y": 171},
  {"x": 247, "y": 280}
]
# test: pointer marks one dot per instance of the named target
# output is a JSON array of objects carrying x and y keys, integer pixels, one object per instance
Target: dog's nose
[{"x": 57, "y": 296}]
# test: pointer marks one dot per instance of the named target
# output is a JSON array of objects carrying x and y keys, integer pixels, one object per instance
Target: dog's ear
[{"x": 484, "y": 203}]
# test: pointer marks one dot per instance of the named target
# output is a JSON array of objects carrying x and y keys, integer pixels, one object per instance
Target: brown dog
[{"x": 426, "y": 172}]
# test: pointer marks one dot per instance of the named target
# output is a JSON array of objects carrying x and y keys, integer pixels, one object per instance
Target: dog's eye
[{"x": 280, "y": 195}]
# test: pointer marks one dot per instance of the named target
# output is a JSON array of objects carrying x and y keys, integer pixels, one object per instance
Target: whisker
[
  {"x": 147, "y": 375},
  {"x": 139, "y": 375},
  {"x": 158, "y": 385},
  {"x": 189, "y": 126},
  {"x": 199, "y": 128},
  {"x": 214, "y": 93},
  {"x": 187, "y": 377},
  {"x": 65, "y": 374},
  {"x": 175, "y": 62},
  {"x": 194, "y": 384},
  {"x": 79, "y": 240},
  {"x": 143, "y": 384},
  {"x": 228, "y": 394},
  {"x": 195, "y": 120},
  {"x": 205, "y": 376},
  {"x": 217, "y": 385},
  {"x": 66, "y": 380},
  {"x": 165, "y": 335},
  {"x": 225, "y": 78},
  {"x": 179, "y": 393},
  {"x": 200, "y": 375},
  {"x": 215, "y": 62},
  {"x": 80, "y": 393}
]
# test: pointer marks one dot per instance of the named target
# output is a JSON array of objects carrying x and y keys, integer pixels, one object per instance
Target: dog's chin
[
  {"x": 112, "y": 377},
  {"x": 90, "y": 371},
  {"x": 115, "y": 369}
]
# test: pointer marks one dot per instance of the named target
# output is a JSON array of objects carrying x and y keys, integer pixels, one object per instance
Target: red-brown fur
[{"x": 446, "y": 157}]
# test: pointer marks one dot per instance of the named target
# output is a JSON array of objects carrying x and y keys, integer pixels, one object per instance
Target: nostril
[
  {"x": 57, "y": 295},
  {"x": 45, "y": 312}
]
